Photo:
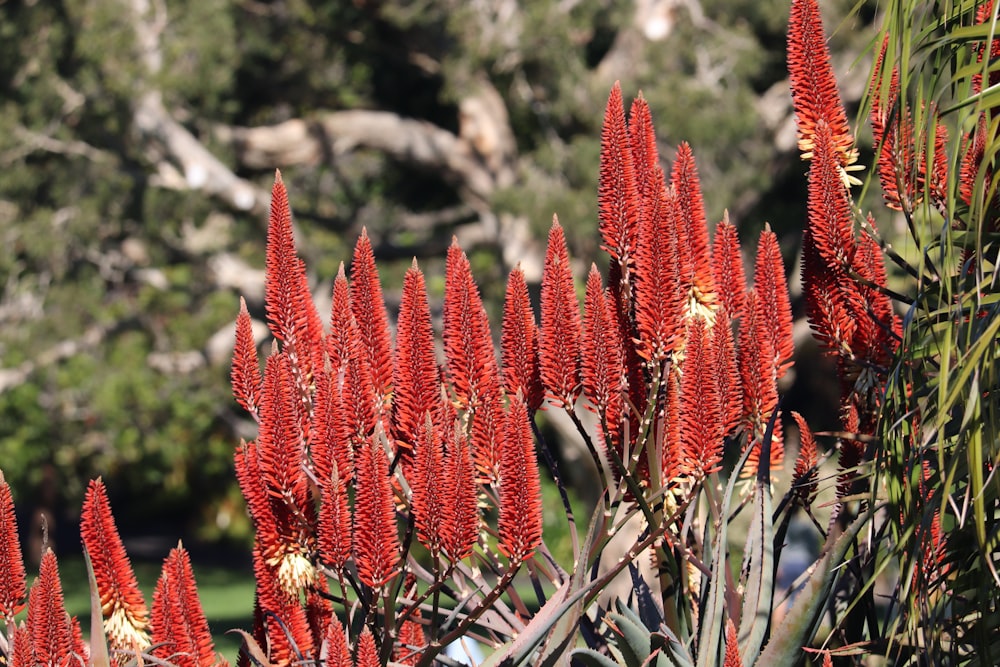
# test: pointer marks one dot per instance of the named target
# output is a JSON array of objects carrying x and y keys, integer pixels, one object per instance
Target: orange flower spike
[
  {"x": 367, "y": 650},
  {"x": 245, "y": 373},
  {"x": 416, "y": 376},
  {"x": 338, "y": 342},
  {"x": 126, "y": 618},
  {"x": 520, "y": 521},
  {"x": 559, "y": 336},
  {"x": 772, "y": 292},
  {"x": 283, "y": 622},
  {"x": 617, "y": 196},
  {"x": 815, "y": 96},
  {"x": 692, "y": 229},
  {"x": 327, "y": 446},
  {"x": 411, "y": 640},
  {"x": 337, "y": 652},
  {"x": 602, "y": 367},
  {"x": 805, "y": 477},
  {"x": 733, "y": 658},
  {"x": 291, "y": 312},
  {"x": 359, "y": 399},
  {"x": 726, "y": 372},
  {"x": 460, "y": 530},
  {"x": 13, "y": 582},
  {"x": 829, "y": 205},
  {"x": 280, "y": 440},
  {"x": 368, "y": 306},
  {"x": 645, "y": 156},
  {"x": 468, "y": 343},
  {"x": 334, "y": 526},
  {"x": 756, "y": 367},
  {"x": 519, "y": 343},
  {"x": 701, "y": 423},
  {"x": 48, "y": 623},
  {"x": 20, "y": 650},
  {"x": 376, "y": 541},
  {"x": 824, "y": 287},
  {"x": 659, "y": 295},
  {"x": 180, "y": 631},
  {"x": 671, "y": 465},
  {"x": 428, "y": 501},
  {"x": 727, "y": 268}
]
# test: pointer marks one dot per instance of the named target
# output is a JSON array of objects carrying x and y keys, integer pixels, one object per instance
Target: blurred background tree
[{"x": 138, "y": 139}]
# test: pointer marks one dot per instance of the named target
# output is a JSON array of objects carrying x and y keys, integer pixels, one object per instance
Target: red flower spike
[
  {"x": 337, "y": 652},
  {"x": 659, "y": 294},
  {"x": 486, "y": 433},
  {"x": 726, "y": 372},
  {"x": 733, "y": 658},
  {"x": 519, "y": 343},
  {"x": 283, "y": 620},
  {"x": 559, "y": 336},
  {"x": 428, "y": 487},
  {"x": 692, "y": 230},
  {"x": 280, "y": 442},
  {"x": 20, "y": 651},
  {"x": 291, "y": 311},
  {"x": 416, "y": 377},
  {"x": 126, "y": 618},
  {"x": 815, "y": 97},
  {"x": 805, "y": 477},
  {"x": 757, "y": 376},
  {"x": 461, "y": 520},
  {"x": 602, "y": 366},
  {"x": 368, "y": 307},
  {"x": 245, "y": 372},
  {"x": 180, "y": 631},
  {"x": 468, "y": 343},
  {"x": 334, "y": 529},
  {"x": 327, "y": 445},
  {"x": 701, "y": 422},
  {"x": 727, "y": 268},
  {"x": 829, "y": 204},
  {"x": 13, "y": 582},
  {"x": 359, "y": 399},
  {"x": 255, "y": 492},
  {"x": 48, "y": 623},
  {"x": 319, "y": 610},
  {"x": 829, "y": 295},
  {"x": 645, "y": 156},
  {"x": 367, "y": 650},
  {"x": 520, "y": 521},
  {"x": 410, "y": 641},
  {"x": 376, "y": 542},
  {"x": 772, "y": 294},
  {"x": 616, "y": 189},
  {"x": 669, "y": 432},
  {"x": 338, "y": 343},
  {"x": 80, "y": 647}
]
